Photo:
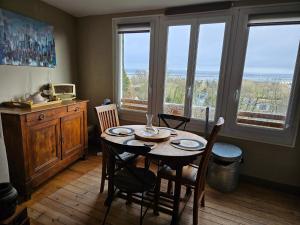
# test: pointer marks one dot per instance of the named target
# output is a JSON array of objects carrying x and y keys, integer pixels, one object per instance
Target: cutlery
[{"x": 176, "y": 142}]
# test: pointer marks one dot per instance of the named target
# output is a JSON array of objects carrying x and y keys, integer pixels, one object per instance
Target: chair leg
[
  {"x": 156, "y": 198},
  {"x": 106, "y": 213},
  {"x": 203, "y": 199},
  {"x": 141, "y": 214},
  {"x": 129, "y": 199},
  {"x": 104, "y": 174},
  {"x": 170, "y": 187},
  {"x": 195, "y": 208},
  {"x": 108, "y": 203},
  {"x": 188, "y": 191}
]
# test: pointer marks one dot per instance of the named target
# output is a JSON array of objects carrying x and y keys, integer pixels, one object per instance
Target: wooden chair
[
  {"x": 108, "y": 117},
  {"x": 128, "y": 179},
  {"x": 193, "y": 176},
  {"x": 165, "y": 117},
  {"x": 182, "y": 122}
]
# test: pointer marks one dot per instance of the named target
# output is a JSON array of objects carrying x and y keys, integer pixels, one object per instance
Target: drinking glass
[{"x": 149, "y": 117}]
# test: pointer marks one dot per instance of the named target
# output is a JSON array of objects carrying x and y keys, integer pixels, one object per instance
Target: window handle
[
  {"x": 189, "y": 91},
  {"x": 237, "y": 95}
]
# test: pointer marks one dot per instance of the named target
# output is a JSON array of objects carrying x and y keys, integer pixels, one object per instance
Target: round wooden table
[{"x": 164, "y": 151}]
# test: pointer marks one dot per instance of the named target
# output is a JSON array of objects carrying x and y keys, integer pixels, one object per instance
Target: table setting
[{"x": 152, "y": 136}]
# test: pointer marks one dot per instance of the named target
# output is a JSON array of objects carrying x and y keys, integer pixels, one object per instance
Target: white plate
[
  {"x": 187, "y": 144},
  {"x": 135, "y": 142},
  {"x": 172, "y": 131},
  {"x": 120, "y": 131}
]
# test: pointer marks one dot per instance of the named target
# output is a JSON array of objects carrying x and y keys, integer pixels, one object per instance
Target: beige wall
[
  {"x": 13, "y": 79},
  {"x": 269, "y": 162},
  {"x": 95, "y": 57}
]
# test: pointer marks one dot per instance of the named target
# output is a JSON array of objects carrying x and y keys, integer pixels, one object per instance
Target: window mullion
[
  {"x": 191, "y": 69},
  {"x": 152, "y": 67},
  {"x": 119, "y": 69}
]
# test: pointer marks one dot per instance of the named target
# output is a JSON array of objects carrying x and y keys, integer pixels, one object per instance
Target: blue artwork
[{"x": 25, "y": 41}]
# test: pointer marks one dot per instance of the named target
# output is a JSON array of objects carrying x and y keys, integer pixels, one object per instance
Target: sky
[{"x": 270, "y": 48}]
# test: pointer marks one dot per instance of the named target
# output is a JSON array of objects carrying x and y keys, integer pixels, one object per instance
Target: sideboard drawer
[
  {"x": 76, "y": 107},
  {"x": 45, "y": 115}
]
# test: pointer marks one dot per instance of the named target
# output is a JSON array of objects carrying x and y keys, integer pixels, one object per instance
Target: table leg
[
  {"x": 175, "y": 216},
  {"x": 110, "y": 172}
]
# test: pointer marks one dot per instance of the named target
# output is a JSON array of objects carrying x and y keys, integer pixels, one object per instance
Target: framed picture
[{"x": 25, "y": 41}]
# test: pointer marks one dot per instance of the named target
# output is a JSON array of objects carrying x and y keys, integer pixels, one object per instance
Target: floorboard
[{"x": 72, "y": 198}]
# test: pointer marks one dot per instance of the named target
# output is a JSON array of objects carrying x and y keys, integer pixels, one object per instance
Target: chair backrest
[
  {"x": 182, "y": 120},
  {"x": 201, "y": 175},
  {"x": 107, "y": 116},
  {"x": 115, "y": 150}
]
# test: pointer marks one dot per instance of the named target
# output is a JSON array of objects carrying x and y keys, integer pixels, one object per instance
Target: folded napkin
[{"x": 4, "y": 175}]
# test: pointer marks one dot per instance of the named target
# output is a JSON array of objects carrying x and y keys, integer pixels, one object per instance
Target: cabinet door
[
  {"x": 44, "y": 145},
  {"x": 72, "y": 134}
]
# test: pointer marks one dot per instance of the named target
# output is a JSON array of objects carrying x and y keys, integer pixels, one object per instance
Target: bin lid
[{"x": 226, "y": 152}]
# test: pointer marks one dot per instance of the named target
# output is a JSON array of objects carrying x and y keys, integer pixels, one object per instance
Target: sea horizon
[{"x": 214, "y": 75}]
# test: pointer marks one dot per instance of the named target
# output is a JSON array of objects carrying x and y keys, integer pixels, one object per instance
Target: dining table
[{"x": 167, "y": 153}]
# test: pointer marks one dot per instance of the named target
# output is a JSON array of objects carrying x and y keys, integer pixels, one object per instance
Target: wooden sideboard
[{"x": 41, "y": 142}]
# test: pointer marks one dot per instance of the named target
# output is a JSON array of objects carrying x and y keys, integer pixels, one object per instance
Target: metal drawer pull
[{"x": 41, "y": 116}]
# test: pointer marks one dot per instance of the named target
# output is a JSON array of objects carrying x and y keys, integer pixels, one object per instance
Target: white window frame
[
  {"x": 231, "y": 71},
  {"x": 285, "y": 137},
  {"x": 197, "y": 125},
  {"x": 125, "y": 114}
]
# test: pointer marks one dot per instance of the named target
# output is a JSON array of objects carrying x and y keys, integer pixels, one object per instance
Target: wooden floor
[{"x": 72, "y": 197}]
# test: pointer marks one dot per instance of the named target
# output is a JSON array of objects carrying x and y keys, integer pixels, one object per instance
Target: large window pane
[
  {"x": 135, "y": 70},
  {"x": 209, "y": 54},
  {"x": 176, "y": 69},
  {"x": 268, "y": 75}
]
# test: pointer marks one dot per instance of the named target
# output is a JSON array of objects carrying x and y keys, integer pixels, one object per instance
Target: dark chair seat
[
  {"x": 189, "y": 174},
  {"x": 131, "y": 181},
  {"x": 128, "y": 178}
]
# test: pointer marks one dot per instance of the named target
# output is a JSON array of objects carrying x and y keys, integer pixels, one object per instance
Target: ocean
[{"x": 214, "y": 75}]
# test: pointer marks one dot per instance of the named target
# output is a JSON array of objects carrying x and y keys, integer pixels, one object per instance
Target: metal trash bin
[{"x": 224, "y": 167}]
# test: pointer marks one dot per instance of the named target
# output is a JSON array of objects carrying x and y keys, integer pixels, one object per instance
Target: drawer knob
[
  {"x": 41, "y": 116},
  {"x": 77, "y": 109}
]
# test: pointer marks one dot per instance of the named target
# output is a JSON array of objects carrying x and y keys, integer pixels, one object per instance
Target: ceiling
[{"x": 80, "y": 8}]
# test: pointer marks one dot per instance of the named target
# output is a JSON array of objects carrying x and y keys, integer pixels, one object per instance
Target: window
[
  {"x": 208, "y": 65},
  {"x": 192, "y": 69},
  {"x": 243, "y": 64},
  {"x": 268, "y": 75},
  {"x": 264, "y": 83},
  {"x": 134, "y": 53},
  {"x": 176, "y": 69}
]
